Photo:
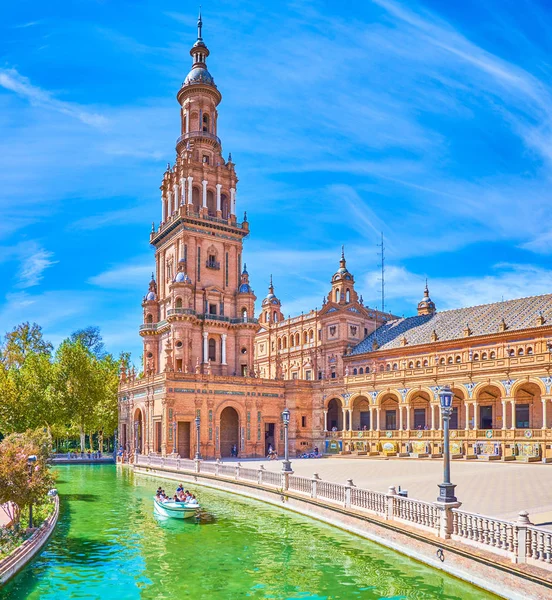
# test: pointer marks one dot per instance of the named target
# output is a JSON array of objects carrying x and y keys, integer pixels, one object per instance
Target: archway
[
  {"x": 229, "y": 431},
  {"x": 528, "y": 411},
  {"x": 361, "y": 414},
  {"x": 138, "y": 432},
  {"x": 489, "y": 408},
  {"x": 389, "y": 413},
  {"x": 423, "y": 415},
  {"x": 335, "y": 415}
]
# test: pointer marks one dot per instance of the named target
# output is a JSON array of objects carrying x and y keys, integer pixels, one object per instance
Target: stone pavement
[{"x": 495, "y": 489}]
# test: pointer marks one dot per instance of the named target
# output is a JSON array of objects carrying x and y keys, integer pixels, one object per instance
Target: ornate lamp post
[
  {"x": 174, "y": 435},
  {"x": 197, "y": 424},
  {"x": 446, "y": 493},
  {"x": 30, "y": 462},
  {"x": 286, "y": 465}
]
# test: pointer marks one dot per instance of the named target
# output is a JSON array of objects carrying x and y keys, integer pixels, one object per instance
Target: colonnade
[
  {"x": 206, "y": 347},
  {"x": 170, "y": 204}
]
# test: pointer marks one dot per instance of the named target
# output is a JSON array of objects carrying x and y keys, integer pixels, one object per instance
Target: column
[
  {"x": 204, "y": 184},
  {"x": 350, "y": 420},
  {"x": 503, "y": 413},
  {"x": 325, "y": 420},
  {"x": 183, "y": 188},
  {"x": 475, "y": 415},
  {"x": 163, "y": 215},
  {"x": 344, "y": 420},
  {"x": 544, "y": 412},
  {"x": 219, "y": 186},
  {"x": 372, "y": 419},
  {"x": 223, "y": 353},
  {"x": 176, "y": 197},
  {"x": 400, "y": 417},
  {"x": 432, "y": 409},
  {"x": 232, "y": 201},
  {"x": 169, "y": 204},
  {"x": 467, "y": 423},
  {"x": 190, "y": 181},
  {"x": 513, "y": 409},
  {"x": 378, "y": 424},
  {"x": 205, "y": 346},
  {"x": 408, "y": 417}
]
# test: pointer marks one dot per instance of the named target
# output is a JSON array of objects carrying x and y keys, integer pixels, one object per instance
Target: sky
[{"x": 429, "y": 122}]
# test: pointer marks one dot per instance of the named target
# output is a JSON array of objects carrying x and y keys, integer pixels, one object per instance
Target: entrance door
[
  {"x": 522, "y": 416},
  {"x": 485, "y": 417},
  {"x": 229, "y": 431},
  {"x": 269, "y": 436},
  {"x": 390, "y": 420},
  {"x": 419, "y": 418},
  {"x": 365, "y": 419},
  {"x": 183, "y": 439}
]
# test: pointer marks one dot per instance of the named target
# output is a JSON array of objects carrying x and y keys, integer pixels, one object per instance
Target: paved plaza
[{"x": 495, "y": 489}]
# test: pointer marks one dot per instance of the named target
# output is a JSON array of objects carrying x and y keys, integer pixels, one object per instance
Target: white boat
[{"x": 175, "y": 510}]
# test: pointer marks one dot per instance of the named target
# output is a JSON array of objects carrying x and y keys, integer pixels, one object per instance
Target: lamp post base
[
  {"x": 286, "y": 466},
  {"x": 446, "y": 492}
]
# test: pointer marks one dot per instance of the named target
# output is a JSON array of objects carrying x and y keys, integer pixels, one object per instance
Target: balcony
[
  {"x": 197, "y": 135},
  {"x": 180, "y": 311}
]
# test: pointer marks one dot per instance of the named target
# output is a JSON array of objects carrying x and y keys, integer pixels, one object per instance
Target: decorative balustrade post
[
  {"x": 260, "y": 475},
  {"x": 162, "y": 461},
  {"x": 217, "y": 467},
  {"x": 520, "y": 548},
  {"x": 348, "y": 486},
  {"x": 238, "y": 467},
  {"x": 178, "y": 464},
  {"x": 391, "y": 493},
  {"x": 197, "y": 464},
  {"x": 315, "y": 479},
  {"x": 446, "y": 518},
  {"x": 285, "y": 479}
]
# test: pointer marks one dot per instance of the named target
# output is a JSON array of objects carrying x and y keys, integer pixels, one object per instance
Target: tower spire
[
  {"x": 271, "y": 286},
  {"x": 199, "y": 26},
  {"x": 342, "y": 261}
]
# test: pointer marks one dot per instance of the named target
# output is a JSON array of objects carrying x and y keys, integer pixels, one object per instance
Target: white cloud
[
  {"x": 125, "y": 276},
  {"x": 33, "y": 265}
]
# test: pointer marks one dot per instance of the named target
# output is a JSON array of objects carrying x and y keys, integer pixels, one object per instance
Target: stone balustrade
[{"x": 520, "y": 541}]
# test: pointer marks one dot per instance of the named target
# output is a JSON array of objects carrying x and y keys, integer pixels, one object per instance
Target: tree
[
  {"x": 78, "y": 384},
  {"x": 91, "y": 339},
  {"x": 22, "y": 484},
  {"x": 105, "y": 412},
  {"x": 21, "y": 341}
]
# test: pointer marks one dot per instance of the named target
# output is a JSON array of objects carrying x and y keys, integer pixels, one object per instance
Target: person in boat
[{"x": 180, "y": 488}]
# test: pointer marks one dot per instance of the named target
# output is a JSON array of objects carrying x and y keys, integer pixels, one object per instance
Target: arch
[
  {"x": 348, "y": 295},
  {"x": 335, "y": 414},
  {"x": 196, "y": 198},
  {"x": 389, "y": 414},
  {"x": 305, "y": 337},
  {"x": 361, "y": 371},
  {"x": 139, "y": 431},
  {"x": 244, "y": 314},
  {"x": 426, "y": 362},
  {"x": 297, "y": 339},
  {"x": 311, "y": 335},
  {"x": 381, "y": 396},
  {"x": 337, "y": 295},
  {"x": 450, "y": 360},
  {"x": 279, "y": 343},
  {"x": 367, "y": 369},
  {"x": 388, "y": 367},
  {"x": 489, "y": 410},
  {"x": 476, "y": 357},
  {"x": 229, "y": 430},
  {"x": 411, "y": 364},
  {"x": 418, "y": 364},
  {"x": 420, "y": 406},
  {"x": 211, "y": 203},
  {"x": 458, "y": 359},
  {"x": 275, "y": 317},
  {"x": 360, "y": 413},
  {"x": 224, "y": 206},
  {"x": 206, "y": 123},
  {"x": 484, "y": 356},
  {"x": 212, "y": 349},
  {"x": 528, "y": 405},
  {"x": 527, "y": 381},
  {"x": 520, "y": 351},
  {"x": 149, "y": 318},
  {"x": 355, "y": 371},
  {"x": 529, "y": 350},
  {"x": 284, "y": 342},
  {"x": 493, "y": 354},
  {"x": 178, "y": 303},
  {"x": 442, "y": 361}
]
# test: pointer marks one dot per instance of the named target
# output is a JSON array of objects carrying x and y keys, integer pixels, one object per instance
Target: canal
[{"x": 108, "y": 544}]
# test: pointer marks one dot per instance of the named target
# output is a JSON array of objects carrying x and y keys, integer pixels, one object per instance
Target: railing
[
  {"x": 198, "y": 134},
  {"x": 180, "y": 311},
  {"x": 520, "y": 541}
]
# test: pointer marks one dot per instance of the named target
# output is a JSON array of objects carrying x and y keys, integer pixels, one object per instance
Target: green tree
[
  {"x": 91, "y": 339},
  {"x": 24, "y": 339},
  {"x": 105, "y": 412},
  {"x": 22, "y": 484}
]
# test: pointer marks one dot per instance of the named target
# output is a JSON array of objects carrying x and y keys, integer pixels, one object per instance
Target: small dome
[
  {"x": 180, "y": 277},
  {"x": 151, "y": 296},
  {"x": 244, "y": 288},
  {"x": 199, "y": 75}
]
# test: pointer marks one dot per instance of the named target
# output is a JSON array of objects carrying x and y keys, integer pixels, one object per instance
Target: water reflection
[{"x": 111, "y": 545}]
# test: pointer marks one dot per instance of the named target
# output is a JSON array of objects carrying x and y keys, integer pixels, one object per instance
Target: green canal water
[{"x": 108, "y": 544}]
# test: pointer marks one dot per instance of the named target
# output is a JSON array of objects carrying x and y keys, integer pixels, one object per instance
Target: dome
[
  {"x": 151, "y": 296},
  {"x": 180, "y": 277},
  {"x": 244, "y": 288},
  {"x": 199, "y": 75}
]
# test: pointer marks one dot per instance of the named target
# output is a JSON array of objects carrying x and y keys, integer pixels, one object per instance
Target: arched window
[
  {"x": 450, "y": 360},
  {"x": 275, "y": 317},
  {"x": 529, "y": 350},
  {"x": 520, "y": 352},
  {"x": 426, "y": 363},
  {"x": 458, "y": 359},
  {"x": 279, "y": 343},
  {"x": 367, "y": 369},
  {"x": 410, "y": 365},
  {"x": 476, "y": 357},
  {"x": 311, "y": 335},
  {"x": 212, "y": 349},
  {"x": 337, "y": 295},
  {"x": 418, "y": 364},
  {"x": 211, "y": 204},
  {"x": 305, "y": 337},
  {"x": 381, "y": 367},
  {"x": 361, "y": 371},
  {"x": 512, "y": 352},
  {"x": 149, "y": 319},
  {"x": 395, "y": 367},
  {"x": 493, "y": 354},
  {"x": 178, "y": 303},
  {"x": 224, "y": 206},
  {"x": 442, "y": 361},
  {"x": 196, "y": 195},
  {"x": 484, "y": 356},
  {"x": 348, "y": 295},
  {"x": 284, "y": 342},
  {"x": 244, "y": 314},
  {"x": 297, "y": 339},
  {"x": 206, "y": 123},
  {"x": 355, "y": 371}
]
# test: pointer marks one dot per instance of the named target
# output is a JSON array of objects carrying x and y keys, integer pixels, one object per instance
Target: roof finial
[
  {"x": 426, "y": 291},
  {"x": 271, "y": 287},
  {"x": 152, "y": 276},
  {"x": 199, "y": 25},
  {"x": 343, "y": 252}
]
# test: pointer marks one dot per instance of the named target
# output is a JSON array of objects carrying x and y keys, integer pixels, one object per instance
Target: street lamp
[
  {"x": 197, "y": 423},
  {"x": 286, "y": 465},
  {"x": 446, "y": 489},
  {"x": 174, "y": 435},
  {"x": 30, "y": 462}
]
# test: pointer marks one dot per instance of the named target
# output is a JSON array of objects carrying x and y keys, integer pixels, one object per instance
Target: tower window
[
  {"x": 206, "y": 123},
  {"x": 212, "y": 350},
  {"x": 212, "y": 309},
  {"x": 205, "y": 159}
]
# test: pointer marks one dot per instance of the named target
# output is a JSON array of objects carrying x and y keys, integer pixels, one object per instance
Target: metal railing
[{"x": 197, "y": 134}]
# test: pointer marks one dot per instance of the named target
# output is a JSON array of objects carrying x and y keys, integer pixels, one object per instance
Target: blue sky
[{"x": 429, "y": 121}]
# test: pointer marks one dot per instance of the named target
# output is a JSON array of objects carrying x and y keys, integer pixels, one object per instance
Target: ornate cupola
[
  {"x": 343, "y": 284},
  {"x": 271, "y": 307},
  {"x": 426, "y": 306},
  {"x": 245, "y": 288},
  {"x": 199, "y": 52}
]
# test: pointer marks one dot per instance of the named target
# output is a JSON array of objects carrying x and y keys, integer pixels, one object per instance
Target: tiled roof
[{"x": 450, "y": 324}]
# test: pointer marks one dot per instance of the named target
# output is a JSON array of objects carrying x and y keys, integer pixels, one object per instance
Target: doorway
[
  {"x": 270, "y": 429},
  {"x": 364, "y": 419},
  {"x": 229, "y": 431},
  {"x": 183, "y": 438},
  {"x": 485, "y": 417}
]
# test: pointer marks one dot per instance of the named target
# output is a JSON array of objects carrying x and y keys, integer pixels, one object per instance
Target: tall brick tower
[{"x": 198, "y": 313}]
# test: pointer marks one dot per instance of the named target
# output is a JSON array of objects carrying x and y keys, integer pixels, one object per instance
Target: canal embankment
[
  {"x": 498, "y": 556},
  {"x": 24, "y": 553}
]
